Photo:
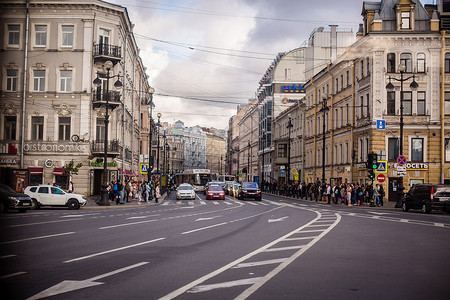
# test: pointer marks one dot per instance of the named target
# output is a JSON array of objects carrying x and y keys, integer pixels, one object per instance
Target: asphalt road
[{"x": 202, "y": 249}]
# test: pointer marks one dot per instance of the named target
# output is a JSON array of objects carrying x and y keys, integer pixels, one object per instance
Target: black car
[
  {"x": 10, "y": 199},
  {"x": 427, "y": 197},
  {"x": 250, "y": 190}
]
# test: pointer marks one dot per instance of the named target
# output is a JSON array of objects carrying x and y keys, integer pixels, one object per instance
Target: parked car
[
  {"x": 185, "y": 191},
  {"x": 48, "y": 195},
  {"x": 215, "y": 191},
  {"x": 227, "y": 187},
  {"x": 10, "y": 199},
  {"x": 427, "y": 197},
  {"x": 250, "y": 190}
]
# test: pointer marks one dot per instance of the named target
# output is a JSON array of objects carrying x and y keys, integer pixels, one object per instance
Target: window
[
  {"x": 361, "y": 108},
  {"x": 282, "y": 150},
  {"x": 407, "y": 103},
  {"x": 12, "y": 78},
  {"x": 447, "y": 149},
  {"x": 447, "y": 63},
  {"x": 342, "y": 81},
  {"x": 103, "y": 36},
  {"x": 362, "y": 68},
  {"x": 391, "y": 104},
  {"x": 64, "y": 128},
  {"x": 367, "y": 105},
  {"x": 391, "y": 62},
  {"x": 37, "y": 128},
  {"x": 66, "y": 81},
  {"x": 347, "y": 116},
  {"x": 67, "y": 35},
  {"x": 421, "y": 63},
  {"x": 406, "y": 60},
  {"x": 405, "y": 18},
  {"x": 447, "y": 103},
  {"x": 39, "y": 81},
  {"x": 40, "y": 35},
  {"x": 10, "y": 127},
  {"x": 337, "y": 84},
  {"x": 13, "y": 35},
  {"x": 393, "y": 149},
  {"x": 348, "y": 77},
  {"x": 421, "y": 110},
  {"x": 100, "y": 130},
  {"x": 417, "y": 149},
  {"x": 368, "y": 66}
]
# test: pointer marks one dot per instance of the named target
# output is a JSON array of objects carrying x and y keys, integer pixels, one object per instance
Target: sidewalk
[{"x": 91, "y": 204}]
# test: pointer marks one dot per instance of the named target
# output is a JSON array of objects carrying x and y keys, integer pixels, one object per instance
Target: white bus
[
  {"x": 225, "y": 178},
  {"x": 195, "y": 177}
]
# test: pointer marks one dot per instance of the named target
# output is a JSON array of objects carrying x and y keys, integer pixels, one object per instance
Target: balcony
[
  {"x": 104, "y": 52},
  {"x": 98, "y": 148},
  {"x": 112, "y": 99}
]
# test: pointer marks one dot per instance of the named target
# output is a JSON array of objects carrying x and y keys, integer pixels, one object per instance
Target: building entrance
[{"x": 393, "y": 189}]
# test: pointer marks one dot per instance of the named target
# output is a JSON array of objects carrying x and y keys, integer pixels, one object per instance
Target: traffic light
[{"x": 372, "y": 164}]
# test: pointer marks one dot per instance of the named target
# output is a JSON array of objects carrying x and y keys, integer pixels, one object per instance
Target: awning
[
  {"x": 35, "y": 170},
  {"x": 58, "y": 171}
]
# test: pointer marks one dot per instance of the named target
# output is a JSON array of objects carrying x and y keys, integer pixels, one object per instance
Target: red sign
[
  {"x": 381, "y": 178},
  {"x": 401, "y": 160}
]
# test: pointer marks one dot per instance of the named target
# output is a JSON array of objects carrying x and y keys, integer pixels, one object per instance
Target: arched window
[
  {"x": 406, "y": 60},
  {"x": 421, "y": 63}
]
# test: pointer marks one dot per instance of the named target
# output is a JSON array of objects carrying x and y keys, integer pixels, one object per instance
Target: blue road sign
[
  {"x": 283, "y": 171},
  {"x": 144, "y": 169},
  {"x": 381, "y": 124}
]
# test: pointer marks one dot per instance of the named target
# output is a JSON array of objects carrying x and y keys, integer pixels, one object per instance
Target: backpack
[{"x": 115, "y": 187}]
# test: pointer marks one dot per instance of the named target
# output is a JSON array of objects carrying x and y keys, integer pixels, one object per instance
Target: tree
[{"x": 70, "y": 169}]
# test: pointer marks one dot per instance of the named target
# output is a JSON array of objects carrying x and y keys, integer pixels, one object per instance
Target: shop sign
[
  {"x": 53, "y": 147},
  {"x": 100, "y": 164},
  {"x": 286, "y": 100},
  {"x": 413, "y": 166},
  {"x": 8, "y": 162},
  {"x": 294, "y": 88}
]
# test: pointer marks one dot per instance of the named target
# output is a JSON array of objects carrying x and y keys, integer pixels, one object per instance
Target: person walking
[
  {"x": 122, "y": 192},
  {"x": 349, "y": 194},
  {"x": 70, "y": 189},
  {"x": 382, "y": 194},
  {"x": 376, "y": 195},
  {"x": 157, "y": 192}
]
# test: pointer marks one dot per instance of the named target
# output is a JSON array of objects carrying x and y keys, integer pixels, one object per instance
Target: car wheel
[
  {"x": 3, "y": 207},
  {"x": 259, "y": 199},
  {"x": 22, "y": 210},
  {"x": 404, "y": 207},
  {"x": 35, "y": 204},
  {"x": 73, "y": 204},
  {"x": 424, "y": 209}
]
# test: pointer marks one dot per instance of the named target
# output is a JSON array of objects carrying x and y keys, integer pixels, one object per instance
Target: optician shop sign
[
  {"x": 413, "y": 166},
  {"x": 53, "y": 147}
]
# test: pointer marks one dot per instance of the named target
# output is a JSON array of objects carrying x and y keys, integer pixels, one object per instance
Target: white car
[
  {"x": 185, "y": 191},
  {"x": 48, "y": 195}
]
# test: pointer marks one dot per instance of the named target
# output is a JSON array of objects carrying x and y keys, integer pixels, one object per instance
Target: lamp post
[
  {"x": 157, "y": 152},
  {"x": 168, "y": 158},
  {"x": 289, "y": 127},
  {"x": 173, "y": 156},
  {"x": 248, "y": 161},
  {"x": 324, "y": 109},
  {"x": 118, "y": 85},
  {"x": 150, "y": 155},
  {"x": 390, "y": 88}
]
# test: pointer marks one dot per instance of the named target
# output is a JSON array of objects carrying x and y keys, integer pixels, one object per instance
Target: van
[{"x": 427, "y": 197}]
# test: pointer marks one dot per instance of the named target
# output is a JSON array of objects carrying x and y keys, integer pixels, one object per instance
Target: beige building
[
  {"x": 248, "y": 142},
  {"x": 216, "y": 149},
  {"x": 51, "y": 112}
]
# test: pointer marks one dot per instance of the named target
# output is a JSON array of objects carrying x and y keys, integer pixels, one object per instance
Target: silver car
[{"x": 185, "y": 191}]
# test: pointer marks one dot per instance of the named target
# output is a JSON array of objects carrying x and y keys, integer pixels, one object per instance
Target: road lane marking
[
  {"x": 284, "y": 248},
  {"x": 209, "y": 287},
  {"x": 47, "y": 222},
  {"x": 142, "y": 217},
  {"x": 12, "y": 275},
  {"x": 8, "y": 256},
  {"x": 277, "y": 220},
  {"x": 37, "y": 238},
  {"x": 73, "y": 285},
  {"x": 260, "y": 263},
  {"x": 113, "y": 250}
]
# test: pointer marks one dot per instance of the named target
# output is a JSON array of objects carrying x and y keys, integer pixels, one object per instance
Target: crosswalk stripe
[
  {"x": 215, "y": 202},
  {"x": 202, "y": 202},
  {"x": 228, "y": 203}
]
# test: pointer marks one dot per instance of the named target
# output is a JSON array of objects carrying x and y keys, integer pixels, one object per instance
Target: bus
[
  {"x": 225, "y": 178},
  {"x": 195, "y": 177}
]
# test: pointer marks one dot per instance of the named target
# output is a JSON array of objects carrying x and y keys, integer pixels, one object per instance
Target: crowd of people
[
  {"x": 342, "y": 194},
  {"x": 123, "y": 191}
]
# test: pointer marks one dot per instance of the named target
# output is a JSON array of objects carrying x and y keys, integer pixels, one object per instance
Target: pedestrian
[
  {"x": 70, "y": 189},
  {"x": 116, "y": 190},
  {"x": 376, "y": 196},
  {"x": 139, "y": 192},
  {"x": 122, "y": 192},
  {"x": 382, "y": 194},
  {"x": 328, "y": 194},
  {"x": 157, "y": 193},
  {"x": 349, "y": 194}
]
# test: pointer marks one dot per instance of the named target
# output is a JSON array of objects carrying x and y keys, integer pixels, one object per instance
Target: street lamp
[
  {"x": 390, "y": 88},
  {"x": 150, "y": 155},
  {"x": 104, "y": 201},
  {"x": 289, "y": 127},
  {"x": 157, "y": 153},
  {"x": 248, "y": 161},
  {"x": 324, "y": 109}
]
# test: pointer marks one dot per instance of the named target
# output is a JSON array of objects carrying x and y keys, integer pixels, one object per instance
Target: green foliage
[{"x": 71, "y": 169}]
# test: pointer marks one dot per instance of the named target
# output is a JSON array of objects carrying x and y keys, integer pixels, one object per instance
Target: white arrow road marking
[
  {"x": 206, "y": 219},
  {"x": 113, "y": 250},
  {"x": 72, "y": 285},
  {"x": 378, "y": 213},
  {"x": 277, "y": 220}
]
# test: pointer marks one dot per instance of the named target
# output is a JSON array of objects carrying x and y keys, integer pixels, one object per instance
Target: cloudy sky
[{"x": 206, "y": 56}]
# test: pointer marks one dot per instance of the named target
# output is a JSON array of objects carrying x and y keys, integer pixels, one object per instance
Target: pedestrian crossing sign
[
  {"x": 381, "y": 167},
  {"x": 144, "y": 169}
]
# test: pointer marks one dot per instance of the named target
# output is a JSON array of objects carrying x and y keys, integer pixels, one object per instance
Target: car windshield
[
  {"x": 184, "y": 188},
  {"x": 250, "y": 185},
  {"x": 6, "y": 188},
  {"x": 215, "y": 188}
]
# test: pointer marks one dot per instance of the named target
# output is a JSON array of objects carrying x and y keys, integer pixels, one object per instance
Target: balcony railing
[
  {"x": 107, "y": 51},
  {"x": 112, "y": 97},
  {"x": 98, "y": 148}
]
